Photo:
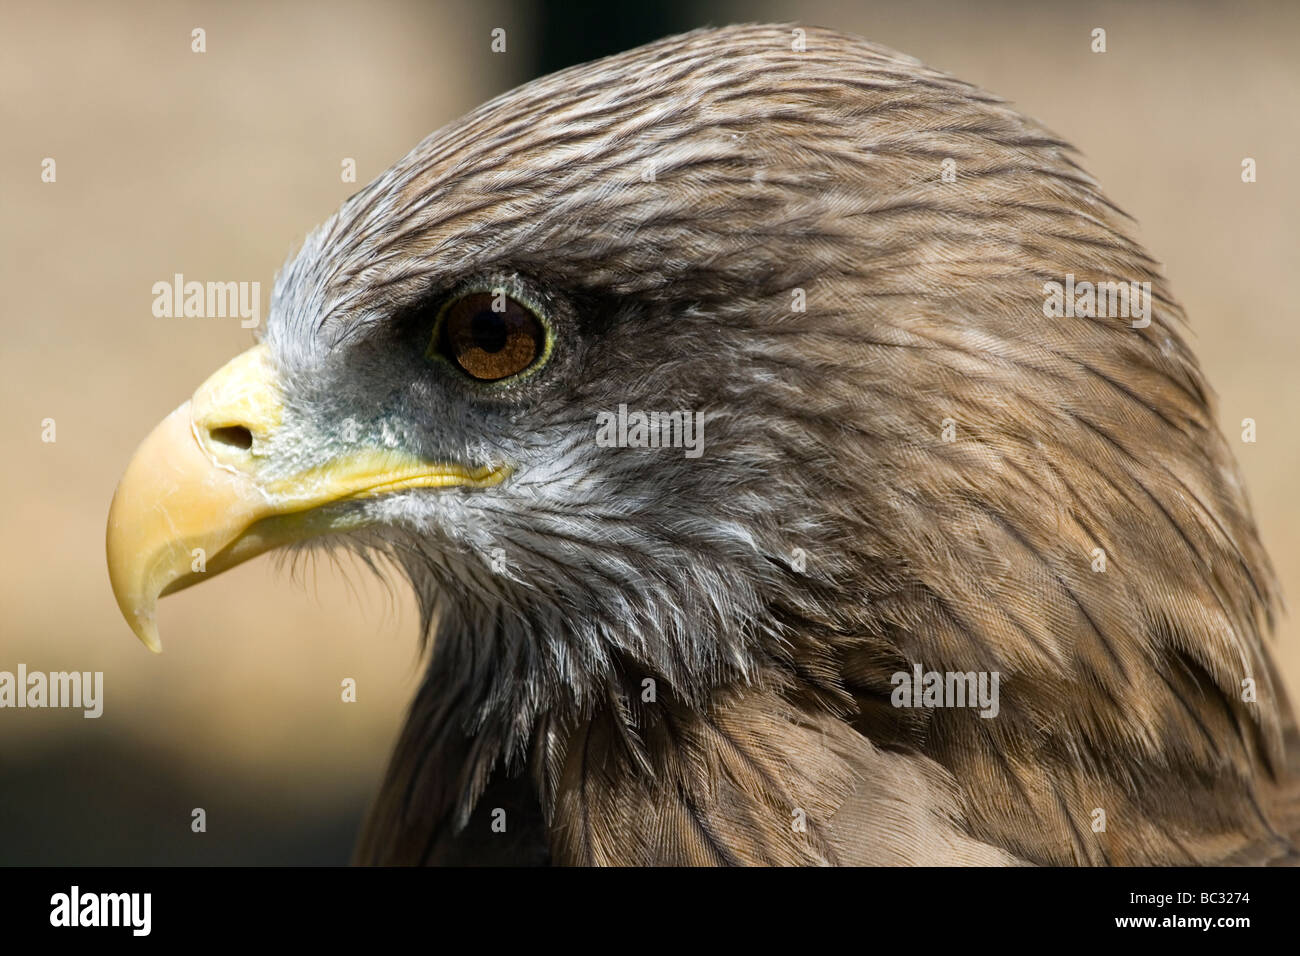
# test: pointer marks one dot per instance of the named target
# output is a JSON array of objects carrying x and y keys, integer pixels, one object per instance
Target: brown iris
[{"x": 490, "y": 335}]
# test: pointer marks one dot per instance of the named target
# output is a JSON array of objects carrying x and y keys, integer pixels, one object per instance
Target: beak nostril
[{"x": 236, "y": 436}]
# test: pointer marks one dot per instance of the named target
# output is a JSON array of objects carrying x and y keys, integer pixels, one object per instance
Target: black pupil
[{"x": 489, "y": 331}]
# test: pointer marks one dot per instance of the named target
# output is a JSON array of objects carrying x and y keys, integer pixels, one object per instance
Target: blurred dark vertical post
[{"x": 575, "y": 32}]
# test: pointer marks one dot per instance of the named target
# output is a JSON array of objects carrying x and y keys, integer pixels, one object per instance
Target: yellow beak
[{"x": 208, "y": 490}]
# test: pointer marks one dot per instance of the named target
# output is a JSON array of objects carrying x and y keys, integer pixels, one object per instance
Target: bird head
[{"x": 902, "y": 457}]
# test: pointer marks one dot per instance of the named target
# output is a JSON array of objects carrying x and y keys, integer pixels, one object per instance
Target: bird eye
[{"x": 489, "y": 335}]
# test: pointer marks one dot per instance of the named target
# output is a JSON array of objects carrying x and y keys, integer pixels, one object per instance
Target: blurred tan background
[{"x": 215, "y": 165}]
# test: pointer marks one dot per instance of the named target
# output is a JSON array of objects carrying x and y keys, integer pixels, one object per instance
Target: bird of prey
[{"x": 838, "y": 263}]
